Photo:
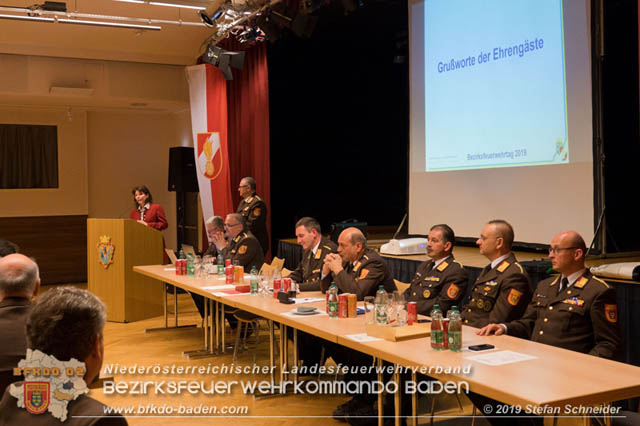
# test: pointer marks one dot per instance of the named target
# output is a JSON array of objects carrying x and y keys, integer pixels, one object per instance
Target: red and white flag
[{"x": 208, "y": 95}]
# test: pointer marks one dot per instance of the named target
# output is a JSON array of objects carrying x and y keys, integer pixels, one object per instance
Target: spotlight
[
  {"x": 223, "y": 59},
  {"x": 211, "y": 13}
]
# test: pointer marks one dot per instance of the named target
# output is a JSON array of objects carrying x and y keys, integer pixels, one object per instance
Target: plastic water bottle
[
  {"x": 455, "y": 329},
  {"x": 253, "y": 281},
  {"x": 191, "y": 267},
  {"x": 220, "y": 262},
  {"x": 436, "y": 328},
  {"x": 381, "y": 302},
  {"x": 181, "y": 254},
  {"x": 333, "y": 301}
]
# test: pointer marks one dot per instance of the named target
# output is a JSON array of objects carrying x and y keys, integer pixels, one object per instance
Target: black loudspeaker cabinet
[{"x": 182, "y": 170}]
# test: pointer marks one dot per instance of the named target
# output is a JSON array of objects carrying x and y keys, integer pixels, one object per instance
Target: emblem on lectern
[{"x": 105, "y": 251}]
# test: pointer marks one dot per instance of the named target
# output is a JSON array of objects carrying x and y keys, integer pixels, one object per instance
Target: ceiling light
[
  {"x": 110, "y": 24},
  {"x": 211, "y": 13},
  {"x": 26, "y": 18}
]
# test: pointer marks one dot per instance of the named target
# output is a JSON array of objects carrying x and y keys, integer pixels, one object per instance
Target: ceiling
[{"x": 173, "y": 44}]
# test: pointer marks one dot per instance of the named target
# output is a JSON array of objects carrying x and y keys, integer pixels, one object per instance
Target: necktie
[{"x": 563, "y": 284}]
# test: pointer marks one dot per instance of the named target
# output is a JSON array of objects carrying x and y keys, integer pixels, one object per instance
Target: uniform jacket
[
  {"x": 582, "y": 318},
  {"x": 309, "y": 270},
  {"x": 246, "y": 249},
  {"x": 154, "y": 216},
  {"x": 363, "y": 278},
  {"x": 11, "y": 414},
  {"x": 13, "y": 339},
  {"x": 254, "y": 211},
  {"x": 499, "y": 295},
  {"x": 444, "y": 285}
]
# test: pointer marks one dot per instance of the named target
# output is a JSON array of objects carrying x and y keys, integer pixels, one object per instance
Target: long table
[{"x": 554, "y": 378}]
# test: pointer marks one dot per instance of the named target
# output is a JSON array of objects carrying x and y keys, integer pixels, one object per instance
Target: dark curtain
[
  {"x": 28, "y": 156},
  {"x": 248, "y": 111}
]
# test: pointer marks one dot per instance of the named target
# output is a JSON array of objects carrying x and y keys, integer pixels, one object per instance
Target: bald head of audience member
[
  {"x": 7, "y": 248},
  {"x": 68, "y": 322},
  {"x": 567, "y": 252},
  {"x": 351, "y": 244},
  {"x": 19, "y": 277},
  {"x": 496, "y": 239}
]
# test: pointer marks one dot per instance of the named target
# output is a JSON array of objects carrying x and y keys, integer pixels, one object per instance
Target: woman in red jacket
[{"x": 145, "y": 212}]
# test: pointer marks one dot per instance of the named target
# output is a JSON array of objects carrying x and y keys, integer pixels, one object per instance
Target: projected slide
[{"x": 494, "y": 82}]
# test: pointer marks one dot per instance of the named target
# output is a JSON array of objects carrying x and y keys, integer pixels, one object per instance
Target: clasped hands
[{"x": 332, "y": 263}]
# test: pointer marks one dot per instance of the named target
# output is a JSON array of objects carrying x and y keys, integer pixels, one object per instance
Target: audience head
[
  {"x": 19, "y": 277},
  {"x": 247, "y": 186},
  {"x": 7, "y": 247},
  {"x": 214, "y": 225},
  {"x": 567, "y": 252},
  {"x": 67, "y": 322},
  {"x": 234, "y": 224}
]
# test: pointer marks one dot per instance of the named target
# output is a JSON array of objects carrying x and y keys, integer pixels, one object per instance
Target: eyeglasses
[
  {"x": 230, "y": 225},
  {"x": 556, "y": 250},
  {"x": 243, "y": 186}
]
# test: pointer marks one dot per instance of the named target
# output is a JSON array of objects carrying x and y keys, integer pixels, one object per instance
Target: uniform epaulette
[
  {"x": 519, "y": 266},
  {"x": 327, "y": 247},
  {"x": 258, "y": 197},
  {"x": 365, "y": 257},
  {"x": 600, "y": 281},
  {"x": 461, "y": 265}
]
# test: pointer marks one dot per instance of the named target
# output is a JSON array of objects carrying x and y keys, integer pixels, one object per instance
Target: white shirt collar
[
  {"x": 574, "y": 277},
  {"x": 438, "y": 262},
  {"x": 497, "y": 261},
  {"x": 315, "y": 248},
  {"x": 145, "y": 207}
]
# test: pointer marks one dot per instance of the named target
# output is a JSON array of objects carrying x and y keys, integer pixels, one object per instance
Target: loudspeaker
[{"x": 182, "y": 170}]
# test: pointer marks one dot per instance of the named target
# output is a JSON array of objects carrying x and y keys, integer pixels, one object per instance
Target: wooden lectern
[{"x": 114, "y": 247}]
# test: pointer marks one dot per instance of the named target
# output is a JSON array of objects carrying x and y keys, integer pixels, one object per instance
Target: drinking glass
[{"x": 369, "y": 310}]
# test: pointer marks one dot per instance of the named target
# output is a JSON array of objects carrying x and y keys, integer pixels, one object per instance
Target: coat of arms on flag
[
  {"x": 36, "y": 397},
  {"x": 209, "y": 155}
]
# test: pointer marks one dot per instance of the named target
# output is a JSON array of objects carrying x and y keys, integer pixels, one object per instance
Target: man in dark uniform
[
  {"x": 254, "y": 211},
  {"x": 316, "y": 248},
  {"x": 241, "y": 246},
  {"x": 441, "y": 280},
  {"x": 502, "y": 291},
  {"x": 19, "y": 283},
  {"x": 214, "y": 226},
  {"x": 356, "y": 269},
  {"x": 574, "y": 311},
  {"x": 65, "y": 323}
]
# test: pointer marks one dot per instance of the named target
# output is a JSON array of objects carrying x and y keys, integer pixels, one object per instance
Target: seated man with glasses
[
  {"x": 574, "y": 311},
  {"x": 242, "y": 246}
]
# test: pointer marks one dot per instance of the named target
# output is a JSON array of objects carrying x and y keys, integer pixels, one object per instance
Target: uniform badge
[
  {"x": 492, "y": 283},
  {"x": 582, "y": 281},
  {"x": 480, "y": 304},
  {"x": 315, "y": 271},
  {"x": 105, "y": 251},
  {"x": 318, "y": 253},
  {"x": 452, "y": 291},
  {"x": 245, "y": 208},
  {"x": 256, "y": 211},
  {"x": 357, "y": 266},
  {"x": 250, "y": 199},
  {"x": 442, "y": 266},
  {"x": 426, "y": 294},
  {"x": 363, "y": 274},
  {"x": 504, "y": 265},
  {"x": 487, "y": 288},
  {"x": 242, "y": 249},
  {"x": 611, "y": 313},
  {"x": 36, "y": 397},
  {"x": 487, "y": 306},
  {"x": 514, "y": 297}
]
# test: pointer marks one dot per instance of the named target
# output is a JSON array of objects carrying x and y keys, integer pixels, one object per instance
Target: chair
[
  {"x": 277, "y": 263},
  {"x": 245, "y": 318}
]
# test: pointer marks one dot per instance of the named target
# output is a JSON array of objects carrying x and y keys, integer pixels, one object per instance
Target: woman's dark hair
[{"x": 145, "y": 191}]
